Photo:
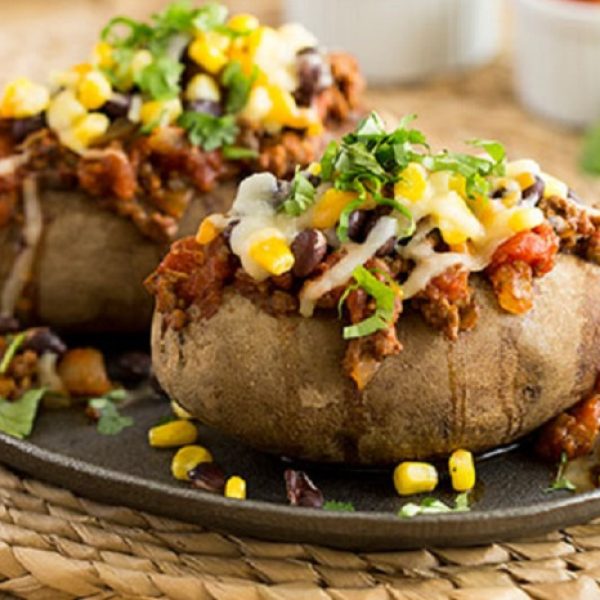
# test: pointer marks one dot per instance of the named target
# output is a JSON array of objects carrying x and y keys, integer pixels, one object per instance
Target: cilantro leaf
[
  {"x": 125, "y": 32},
  {"x": 238, "y": 85},
  {"x": 160, "y": 79},
  {"x": 385, "y": 297},
  {"x": 590, "y": 156},
  {"x": 337, "y": 506},
  {"x": 110, "y": 420},
  {"x": 560, "y": 481},
  {"x": 207, "y": 131},
  {"x": 301, "y": 196},
  {"x": 18, "y": 416},
  {"x": 495, "y": 149},
  {"x": 433, "y": 506},
  {"x": 328, "y": 160},
  {"x": 16, "y": 342}
]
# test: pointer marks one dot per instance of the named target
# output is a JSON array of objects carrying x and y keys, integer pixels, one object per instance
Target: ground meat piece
[
  {"x": 108, "y": 173},
  {"x": 191, "y": 275},
  {"x": 21, "y": 374},
  {"x": 573, "y": 432},
  {"x": 513, "y": 286},
  {"x": 281, "y": 154},
  {"x": 364, "y": 355},
  {"x": 448, "y": 303},
  {"x": 270, "y": 295},
  {"x": 574, "y": 225}
]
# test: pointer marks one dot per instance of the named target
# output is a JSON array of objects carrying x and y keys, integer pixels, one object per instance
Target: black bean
[
  {"x": 356, "y": 225},
  {"x": 117, "y": 107},
  {"x": 301, "y": 491},
  {"x": 9, "y": 325},
  {"x": 229, "y": 229},
  {"x": 282, "y": 192},
  {"x": 314, "y": 75},
  {"x": 387, "y": 248},
  {"x": 43, "y": 339},
  {"x": 133, "y": 367},
  {"x": 208, "y": 477},
  {"x": 21, "y": 128},
  {"x": 205, "y": 106},
  {"x": 535, "y": 191},
  {"x": 315, "y": 180},
  {"x": 309, "y": 248}
]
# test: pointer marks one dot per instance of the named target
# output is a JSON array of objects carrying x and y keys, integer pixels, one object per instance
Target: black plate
[{"x": 66, "y": 450}]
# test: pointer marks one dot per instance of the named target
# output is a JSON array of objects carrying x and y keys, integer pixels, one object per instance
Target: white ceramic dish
[
  {"x": 557, "y": 59},
  {"x": 404, "y": 40}
]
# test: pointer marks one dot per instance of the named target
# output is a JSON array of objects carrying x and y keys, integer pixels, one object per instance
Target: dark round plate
[{"x": 66, "y": 450}]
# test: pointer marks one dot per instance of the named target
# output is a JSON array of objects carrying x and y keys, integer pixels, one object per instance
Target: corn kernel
[
  {"x": 525, "y": 218},
  {"x": 208, "y": 51},
  {"x": 327, "y": 210},
  {"x": 283, "y": 107},
  {"x": 452, "y": 236},
  {"x": 160, "y": 112},
  {"x": 188, "y": 458},
  {"x": 235, "y": 488},
  {"x": 412, "y": 183},
  {"x": 314, "y": 168},
  {"x": 525, "y": 180},
  {"x": 64, "y": 110},
  {"x": 415, "y": 478},
  {"x": 203, "y": 87},
  {"x": 102, "y": 55},
  {"x": 258, "y": 105},
  {"x": 23, "y": 98},
  {"x": 94, "y": 90},
  {"x": 85, "y": 131},
  {"x": 462, "y": 470},
  {"x": 554, "y": 187},
  {"x": 243, "y": 23},
  {"x": 173, "y": 434},
  {"x": 458, "y": 183},
  {"x": 179, "y": 411},
  {"x": 273, "y": 255},
  {"x": 456, "y": 221},
  {"x": 207, "y": 232}
]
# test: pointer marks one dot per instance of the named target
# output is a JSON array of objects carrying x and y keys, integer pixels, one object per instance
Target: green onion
[{"x": 15, "y": 343}]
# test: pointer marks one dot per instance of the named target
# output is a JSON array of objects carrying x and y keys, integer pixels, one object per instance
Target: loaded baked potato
[
  {"x": 102, "y": 170},
  {"x": 390, "y": 303}
]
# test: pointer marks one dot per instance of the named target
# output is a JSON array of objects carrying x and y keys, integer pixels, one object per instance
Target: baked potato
[
  {"x": 469, "y": 320},
  {"x": 131, "y": 149}
]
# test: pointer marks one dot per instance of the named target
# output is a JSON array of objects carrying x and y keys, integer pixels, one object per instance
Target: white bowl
[
  {"x": 404, "y": 40},
  {"x": 557, "y": 68}
]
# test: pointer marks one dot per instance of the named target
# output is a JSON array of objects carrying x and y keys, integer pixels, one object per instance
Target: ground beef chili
[
  {"x": 447, "y": 303},
  {"x": 573, "y": 432}
]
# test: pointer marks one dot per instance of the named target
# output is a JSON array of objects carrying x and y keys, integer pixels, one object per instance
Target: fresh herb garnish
[
  {"x": 18, "y": 416},
  {"x": 238, "y": 85},
  {"x": 590, "y": 156},
  {"x": 385, "y": 299},
  {"x": 433, "y": 506},
  {"x": 239, "y": 153},
  {"x": 560, "y": 481},
  {"x": 208, "y": 131},
  {"x": 16, "y": 342},
  {"x": 337, "y": 506},
  {"x": 301, "y": 196},
  {"x": 160, "y": 79},
  {"x": 109, "y": 419}
]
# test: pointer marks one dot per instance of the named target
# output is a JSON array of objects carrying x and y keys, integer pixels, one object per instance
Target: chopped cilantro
[
  {"x": 110, "y": 420},
  {"x": 207, "y": 131},
  {"x": 560, "y": 481},
  {"x": 160, "y": 79},
  {"x": 433, "y": 506},
  {"x": 18, "y": 416},
  {"x": 590, "y": 156},
  {"x": 335, "y": 505},
  {"x": 16, "y": 342},
  {"x": 301, "y": 196},
  {"x": 384, "y": 295},
  {"x": 238, "y": 85}
]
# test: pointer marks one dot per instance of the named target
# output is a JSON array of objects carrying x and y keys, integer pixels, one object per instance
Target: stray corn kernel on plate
[{"x": 111, "y": 159}]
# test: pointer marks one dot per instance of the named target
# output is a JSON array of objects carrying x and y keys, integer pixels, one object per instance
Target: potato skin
[
  {"x": 277, "y": 383},
  {"x": 91, "y": 262}
]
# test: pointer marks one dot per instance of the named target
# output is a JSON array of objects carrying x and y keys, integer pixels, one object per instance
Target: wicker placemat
[{"x": 57, "y": 546}]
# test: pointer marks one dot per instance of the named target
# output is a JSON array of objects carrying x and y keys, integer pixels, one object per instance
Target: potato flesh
[{"x": 277, "y": 383}]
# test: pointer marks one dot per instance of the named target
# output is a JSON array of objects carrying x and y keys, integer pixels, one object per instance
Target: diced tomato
[{"x": 536, "y": 247}]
